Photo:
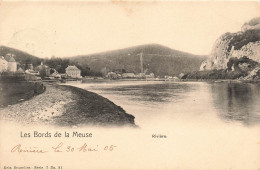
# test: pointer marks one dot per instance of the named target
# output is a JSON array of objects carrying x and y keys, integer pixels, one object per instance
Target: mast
[{"x": 141, "y": 62}]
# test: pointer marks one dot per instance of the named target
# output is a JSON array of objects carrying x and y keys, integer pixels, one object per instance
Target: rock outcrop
[
  {"x": 251, "y": 50},
  {"x": 245, "y": 43},
  {"x": 252, "y": 24}
]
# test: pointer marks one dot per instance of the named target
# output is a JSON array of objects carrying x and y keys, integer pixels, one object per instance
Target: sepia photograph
[{"x": 129, "y": 85}]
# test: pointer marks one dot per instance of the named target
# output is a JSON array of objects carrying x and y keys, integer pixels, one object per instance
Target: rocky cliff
[{"x": 245, "y": 43}]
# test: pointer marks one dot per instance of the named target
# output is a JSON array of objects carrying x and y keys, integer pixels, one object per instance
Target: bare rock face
[
  {"x": 252, "y": 50},
  {"x": 240, "y": 44}
]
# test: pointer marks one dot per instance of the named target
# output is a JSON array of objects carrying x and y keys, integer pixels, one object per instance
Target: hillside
[
  {"x": 20, "y": 56},
  {"x": 245, "y": 43},
  {"x": 158, "y": 59},
  {"x": 23, "y": 58}
]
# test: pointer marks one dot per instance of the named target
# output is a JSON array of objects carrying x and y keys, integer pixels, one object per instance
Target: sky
[{"x": 65, "y": 29}]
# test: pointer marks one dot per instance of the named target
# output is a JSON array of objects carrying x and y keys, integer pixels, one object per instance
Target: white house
[
  {"x": 8, "y": 63},
  {"x": 128, "y": 75},
  {"x": 12, "y": 65},
  {"x": 73, "y": 72},
  {"x": 3, "y": 64}
]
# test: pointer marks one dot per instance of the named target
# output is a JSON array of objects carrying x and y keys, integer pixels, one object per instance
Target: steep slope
[
  {"x": 245, "y": 43},
  {"x": 158, "y": 59}
]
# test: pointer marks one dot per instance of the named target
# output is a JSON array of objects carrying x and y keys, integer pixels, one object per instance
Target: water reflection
[
  {"x": 237, "y": 101},
  {"x": 167, "y": 92}
]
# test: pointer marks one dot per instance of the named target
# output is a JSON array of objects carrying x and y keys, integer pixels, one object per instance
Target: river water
[
  {"x": 209, "y": 125},
  {"x": 162, "y": 104}
]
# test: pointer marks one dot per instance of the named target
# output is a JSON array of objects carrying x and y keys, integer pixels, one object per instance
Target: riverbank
[
  {"x": 16, "y": 92},
  {"x": 64, "y": 105}
]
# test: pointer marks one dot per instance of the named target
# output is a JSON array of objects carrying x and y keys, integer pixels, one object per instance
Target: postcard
[{"x": 129, "y": 85}]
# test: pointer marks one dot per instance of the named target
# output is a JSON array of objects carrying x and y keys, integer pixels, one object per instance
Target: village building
[
  {"x": 3, "y": 64},
  {"x": 112, "y": 75},
  {"x": 43, "y": 70},
  {"x": 29, "y": 66},
  {"x": 31, "y": 75},
  {"x": 140, "y": 75},
  {"x": 12, "y": 65},
  {"x": 55, "y": 74},
  {"x": 128, "y": 75},
  {"x": 73, "y": 72},
  {"x": 32, "y": 72},
  {"x": 151, "y": 75},
  {"x": 20, "y": 70},
  {"x": 8, "y": 63}
]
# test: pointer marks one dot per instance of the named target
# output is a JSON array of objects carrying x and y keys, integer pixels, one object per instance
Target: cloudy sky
[{"x": 73, "y": 28}]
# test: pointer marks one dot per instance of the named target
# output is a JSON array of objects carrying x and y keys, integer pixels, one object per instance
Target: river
[
  {"x": 209, "y": 125},
  {"x": 162, "y": 104}
]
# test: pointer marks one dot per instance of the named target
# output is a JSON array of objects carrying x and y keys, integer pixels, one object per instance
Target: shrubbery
[
  {"x": 239, "y": 40},
  {"x": 214, "y": 74},
  {"x": 225, "y": 73}
]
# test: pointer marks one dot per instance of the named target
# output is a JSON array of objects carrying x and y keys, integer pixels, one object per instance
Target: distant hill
[
  {"x": 158, "y": 59},
  {"x": 20, "y": 56}
]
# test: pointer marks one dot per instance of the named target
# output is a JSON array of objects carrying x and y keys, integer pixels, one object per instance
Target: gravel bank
[{"x": 64, "y": 105}]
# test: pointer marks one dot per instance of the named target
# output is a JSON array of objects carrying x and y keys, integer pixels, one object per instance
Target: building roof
[
  {"x": 20, "y": 70},
  {"x": 72, "y": 68},
  {"x": 42, "y": 66},
  {"x": 11, "y": 59}
]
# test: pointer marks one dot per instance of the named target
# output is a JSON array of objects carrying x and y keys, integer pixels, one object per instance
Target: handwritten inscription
[
  {"x": 60, "y": 147},
  {"x": 18, "y": 148}
]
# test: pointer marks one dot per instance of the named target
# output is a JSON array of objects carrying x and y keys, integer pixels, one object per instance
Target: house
[
  {"x": 8, "y": 63},
  {"x": 3, "y": 64},
  {"x": 12, "y": 64},
  {"x": 55, "y": 74},
  {"x": 128, "y": 75},
  {"x": 151, "y": 75},
  {"x": 73, "y": 72},
  {"x": 20, "y": 70},
  {"x": 29, "y": 66},
  {"x": 32, "y": 72},
  {"x": 43, "y": 70},
  {"x": 140, "y": 75},
  {"x": 112, "y": 75}
]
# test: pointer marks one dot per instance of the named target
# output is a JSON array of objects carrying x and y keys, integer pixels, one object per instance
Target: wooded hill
[
  {"x": 157, "y": 59},
  {"x": 20, "y": 56}
]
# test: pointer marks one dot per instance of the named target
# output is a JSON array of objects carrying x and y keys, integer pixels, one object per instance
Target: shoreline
[
  {"x": 166, "y": 80},
  {"x": 65, "y": 105}
]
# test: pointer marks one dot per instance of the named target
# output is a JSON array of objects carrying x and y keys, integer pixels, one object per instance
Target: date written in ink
[{"x": 61, "y": 147}]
